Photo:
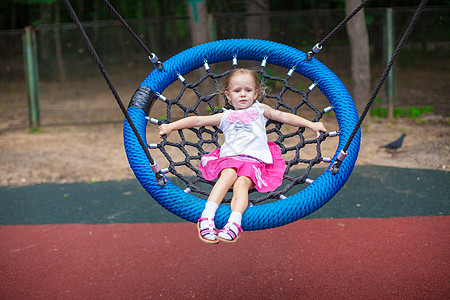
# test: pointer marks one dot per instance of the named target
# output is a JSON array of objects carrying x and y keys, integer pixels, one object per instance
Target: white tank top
[{"x": 245, "y": 133}]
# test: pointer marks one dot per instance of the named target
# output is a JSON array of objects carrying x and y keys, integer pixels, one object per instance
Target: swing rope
[
  {"x": 319, "y": 45},
  {"x": 159, "y": 176},
  {"x": 152, "y": 56},
  {"x": 343, "y": 153}
]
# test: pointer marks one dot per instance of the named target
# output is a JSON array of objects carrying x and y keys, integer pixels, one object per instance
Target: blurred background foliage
[
  {"x": 16, "y": 14},
  {"x": 66, "y": 70}
]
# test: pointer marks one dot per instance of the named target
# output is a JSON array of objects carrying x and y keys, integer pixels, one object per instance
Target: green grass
[
  {"x": 35, "y": 130},
  {"x": 404, "y": 112}
]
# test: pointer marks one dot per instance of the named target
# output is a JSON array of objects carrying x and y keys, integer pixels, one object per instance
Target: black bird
[{"x": 392, "y": 147}]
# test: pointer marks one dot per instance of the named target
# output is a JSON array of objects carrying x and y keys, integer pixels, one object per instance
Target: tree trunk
[
  {"x": 198, "y": 21},
  {"x": 59, "y": 57},
  {"x": 46, "y": 55},
  {"x": 258, "y": 23},
  {"x": 95, "y": 18},
  {"x": 80, "y": 10},
  {"x": 360, "y": 55}
]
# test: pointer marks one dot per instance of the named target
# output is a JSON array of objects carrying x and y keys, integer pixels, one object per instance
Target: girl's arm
[
  {"x": 189, "y": 122},
  {"x": 293, "y": 120}
]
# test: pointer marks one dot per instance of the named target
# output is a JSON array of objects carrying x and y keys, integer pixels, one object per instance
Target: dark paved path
[{"x": 371, "y": 191}]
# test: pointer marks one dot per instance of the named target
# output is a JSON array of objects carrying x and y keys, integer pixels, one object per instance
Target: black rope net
[
  {"x": 191, "y": 161},
  {"x": 183, "y": 151}
]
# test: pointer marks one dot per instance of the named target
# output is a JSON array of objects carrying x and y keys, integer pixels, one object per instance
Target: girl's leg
[
  {"x": 239, "y": 204},
  {"x": 226, "y": 179}
]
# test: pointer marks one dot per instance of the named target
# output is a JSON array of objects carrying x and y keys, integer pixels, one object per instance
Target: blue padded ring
[{"x": 263, "y": 216}]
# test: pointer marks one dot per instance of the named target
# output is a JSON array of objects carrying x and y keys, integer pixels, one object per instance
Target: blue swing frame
[{"x": 263, "y": 216}]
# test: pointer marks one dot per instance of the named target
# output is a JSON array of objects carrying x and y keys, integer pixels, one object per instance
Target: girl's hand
[
  {"x": 318, "y": 127},
  {"x": 164, "y": 129}
]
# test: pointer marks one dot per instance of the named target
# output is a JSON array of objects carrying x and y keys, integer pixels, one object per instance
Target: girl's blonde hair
[{"x": 260, "y": 88}]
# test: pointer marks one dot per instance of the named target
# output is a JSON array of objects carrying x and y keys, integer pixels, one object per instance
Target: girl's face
[{"x": 241, "y": 91}]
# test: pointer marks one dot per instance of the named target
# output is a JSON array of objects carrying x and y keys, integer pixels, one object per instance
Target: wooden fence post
[
  {"x": 389, "y": 49},
  {"x": 32, "y": 75}
]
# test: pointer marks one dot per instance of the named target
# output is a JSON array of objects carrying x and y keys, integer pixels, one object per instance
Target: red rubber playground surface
[
  {"x": 385, "y": 235},
  {"x": 350, "y": 258}
]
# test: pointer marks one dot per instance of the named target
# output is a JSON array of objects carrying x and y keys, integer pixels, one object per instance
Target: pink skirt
[{"x": 266, "y": 177}]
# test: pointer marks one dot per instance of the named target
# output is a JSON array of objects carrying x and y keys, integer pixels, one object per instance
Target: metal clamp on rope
[
  {"x": 154, "y": 59},
  {"x": 235, "y": 61},
  {"x": 158, "y": 174},
  {"x": 152, "y": 120},
  {"x": 206, "y": 65},
  {"x": 312, "y": 87},
  {"x": 180, "y": 77},
  {"x": 161, "y": 97},
  {"x": 313, "y": 51},
  {"x": 327, "y": 109},
  {"x": 337, "y": 164},
  {"x": 264, "y": 61},
  {"x": 291, "y": 71},
  {"x": 333, "y": 133}
]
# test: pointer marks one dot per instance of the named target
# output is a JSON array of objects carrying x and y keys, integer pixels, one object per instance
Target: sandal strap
[
  {"x": 205, "y": 219},
  {"x": 207, "y": 230},
  {"x": 227, "y": 229}
]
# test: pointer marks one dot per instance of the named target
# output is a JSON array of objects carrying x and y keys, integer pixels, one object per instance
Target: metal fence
[{"x": 64, "y": 63}]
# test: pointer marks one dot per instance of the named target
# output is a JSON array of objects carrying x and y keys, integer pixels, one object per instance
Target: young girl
[{"x": 246, "y": 159}]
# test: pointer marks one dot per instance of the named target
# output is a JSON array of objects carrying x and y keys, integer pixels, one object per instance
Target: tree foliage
[{"x": 16, "y": 14}]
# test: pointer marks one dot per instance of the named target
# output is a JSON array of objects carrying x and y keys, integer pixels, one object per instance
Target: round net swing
[
  {"x": 257, "y": 217},
  {"x": 285, "y": 209}
]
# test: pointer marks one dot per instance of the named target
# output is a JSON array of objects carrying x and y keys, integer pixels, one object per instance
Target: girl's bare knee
[
  {"x": 243, "y": 182},
  {"x": 229, "y": 173}
]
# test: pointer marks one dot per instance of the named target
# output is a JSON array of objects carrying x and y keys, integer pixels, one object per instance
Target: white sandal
[
  {"x": 233, "y": 235},
  {"x": 208, "y": 230}
]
